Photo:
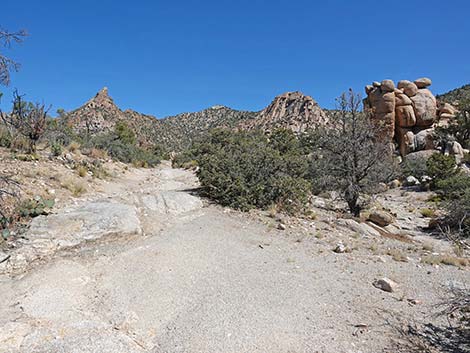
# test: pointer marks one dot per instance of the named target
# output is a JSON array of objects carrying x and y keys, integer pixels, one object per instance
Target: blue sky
[{"x": 167, "y": 57}]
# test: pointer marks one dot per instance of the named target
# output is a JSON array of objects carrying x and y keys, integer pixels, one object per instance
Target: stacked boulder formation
[{"x": 406, "y": 113}]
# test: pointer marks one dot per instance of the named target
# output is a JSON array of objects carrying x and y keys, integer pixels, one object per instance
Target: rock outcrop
[
  {"x": 291, "y": 110},
  {"x": 406, "y": 114}
]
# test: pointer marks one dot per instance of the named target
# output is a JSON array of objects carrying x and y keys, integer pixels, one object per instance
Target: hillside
[
  {"x": 292, "y": 110},
  {"x": 456, "y": 95},
  {"x": 100, "y": 114},
  {"x": 183, "y": 128}
]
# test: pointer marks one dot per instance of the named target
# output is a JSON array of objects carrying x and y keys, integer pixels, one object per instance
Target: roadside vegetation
[{"x": 248, "y": 170}]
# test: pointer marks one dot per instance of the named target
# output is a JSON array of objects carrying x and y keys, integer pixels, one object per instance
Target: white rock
[
  {"x": 411, "y": 181},
  {"x": 386, "y": 285}
]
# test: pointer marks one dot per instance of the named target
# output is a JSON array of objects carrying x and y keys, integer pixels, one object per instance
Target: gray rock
[
  {"x": 411, "y": 181},
  {"x": 171, "y": 202},
  {"x": 381, "y": 218},
  {"x": 72, "y": 227},
  {"x": 361, "y": 228},
  {"x": 281, "y": 226},
  {"x": 386, "y": 284},
  {"x": 89, "y": 222},
  {"x": 454, "y": 148},
  {"x": 340, "y": 248}
]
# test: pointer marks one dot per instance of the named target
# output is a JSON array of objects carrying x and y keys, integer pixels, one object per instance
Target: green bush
[
  {"x": 35, "y": 207},
  {"x": 5, "y": 138},
  {"x": 441, "y": 168},
  {"x": 124, "y": 133},
  {"x": 56, "y": 149},
  {"x": 415, "y": 167},
  {"x": 453, "y": 188},
  {"x": 120, "y": 144},
  {"x": 250, "y": 170}
]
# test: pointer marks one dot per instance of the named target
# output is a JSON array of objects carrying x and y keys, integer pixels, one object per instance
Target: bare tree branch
[{"x": 8, "y": 65}]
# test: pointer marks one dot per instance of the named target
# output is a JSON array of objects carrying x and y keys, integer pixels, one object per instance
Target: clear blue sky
[{"x": 167, "y": 57}]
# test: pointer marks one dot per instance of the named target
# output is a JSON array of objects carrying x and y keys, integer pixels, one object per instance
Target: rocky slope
[
  {"x": 185, "y": 127},
  {"x": 456, "y": 96},
  {"x": 292, "y": 110},
  {"x": 100, "y": 114}
]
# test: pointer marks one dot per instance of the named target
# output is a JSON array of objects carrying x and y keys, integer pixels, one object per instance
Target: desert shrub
[
  {"x": 248, "y": 170},
  {"x": 27, "y": 120},
  {"x": 186, "y": 159},
  {"x": 5, "y": 137},
  {"x": 56, "y": 149},
  {"x": 8, "y": 192},
  {"x": 35, "y": 207},
  {"x": 59, "y": 133},
  {"x": 454, "y": 194},
  {"x": 160, "y": 151},
  {"x": 349, "y": 157},
  {"x": 427, "y": 212},
  {"x": 458, "y": 128},
  {"x": 440, "y": 167},
  {"x": 416, "y": 167},
  {"x": 98, "y": 153},
  {"x": 120, "y": 144},
  {"x": 124, "y": 133}
]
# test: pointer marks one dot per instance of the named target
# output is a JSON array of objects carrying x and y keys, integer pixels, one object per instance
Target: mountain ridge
[{"x": 292, "y": 110}]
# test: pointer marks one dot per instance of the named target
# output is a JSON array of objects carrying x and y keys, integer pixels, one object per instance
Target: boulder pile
[{"x": 406, "y": 113}]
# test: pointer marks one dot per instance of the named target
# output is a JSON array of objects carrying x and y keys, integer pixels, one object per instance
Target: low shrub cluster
[
  {"x": 120, "y": 144},
  {"x": 453, "y": 188},
  {"x": 247, "y": 170}
]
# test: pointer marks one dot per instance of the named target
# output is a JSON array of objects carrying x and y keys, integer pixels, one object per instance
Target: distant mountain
[
  {"x": 455, "y": 96},
  {"x": 100, "y": 114},
  {"x": 291, "y": 110},
  {"x": 187, "y": 126}
]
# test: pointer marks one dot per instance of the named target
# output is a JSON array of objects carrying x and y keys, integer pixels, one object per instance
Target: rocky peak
[
  {"x": 292, "y": 110},
  {"x": 218, "y": 106},
  {"x": 102, "y": 100}
]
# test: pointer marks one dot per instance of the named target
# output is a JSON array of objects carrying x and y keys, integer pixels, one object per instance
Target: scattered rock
[
  {"x": 411, "y": 181},
  {"x": 340, "y": 248},
  {"x": 361, "y": 228},
  {"x": 386, "y": 284},
  {"x": 281, "y": 226},
  {"x": 394, "y": 184},
  {"x": 455, "y": 149},
  {"x": 381, "y": 218},
  {"x": 414, "y": 301}
]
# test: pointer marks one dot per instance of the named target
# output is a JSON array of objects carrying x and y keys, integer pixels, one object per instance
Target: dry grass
[
  {"x": 448, "y": 260},
  {"x": 82, "y": 171},
  {"x": 397, "y": 255},
  {"x": 75, "y": 187},
  {"x": 98, "y": 153},
  {"x": 73, "y": 147}
]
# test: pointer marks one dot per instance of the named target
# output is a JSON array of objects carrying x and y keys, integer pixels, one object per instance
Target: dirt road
[{"x": 162, "y": 272}]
